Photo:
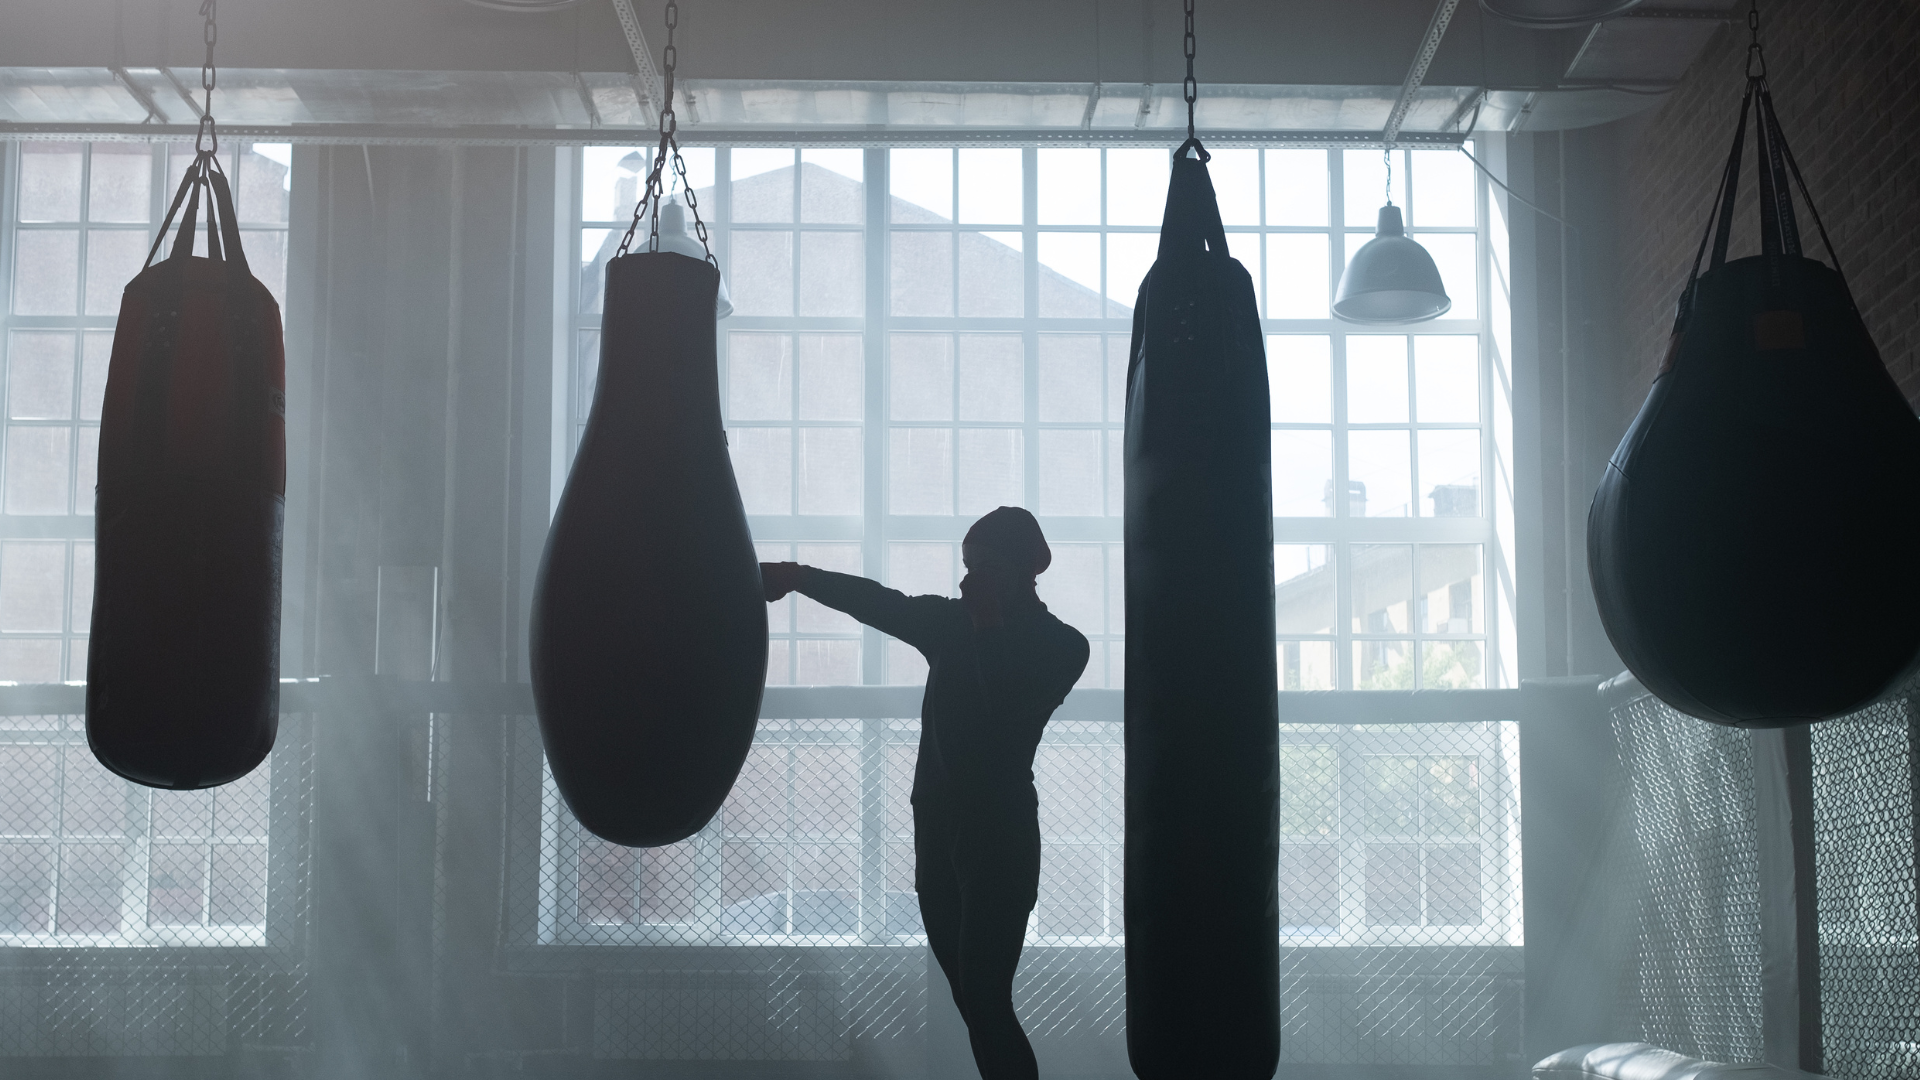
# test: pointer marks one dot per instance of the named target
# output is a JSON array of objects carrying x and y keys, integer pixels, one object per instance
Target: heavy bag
[
  {"x": 1750, "y": 544},
  {"x": 183, "y": 672},
  {"x": 1202, "y": 730},
  {"x": 649, "y": 635}
]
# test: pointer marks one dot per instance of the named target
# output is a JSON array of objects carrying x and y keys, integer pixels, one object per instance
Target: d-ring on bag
[
  {"x": 183, "y": 687},
  {"x": 1751, "y": 544}
]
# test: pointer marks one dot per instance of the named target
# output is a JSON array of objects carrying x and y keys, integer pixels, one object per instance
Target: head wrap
[{"x": 1012, "y": 538}]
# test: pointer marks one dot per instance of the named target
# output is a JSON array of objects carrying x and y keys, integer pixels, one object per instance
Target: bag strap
[
  {"x": 223, "y": 227},
  {"x": 1192, "y": 217}
]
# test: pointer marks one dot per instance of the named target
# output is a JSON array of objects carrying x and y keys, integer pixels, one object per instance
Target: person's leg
[
  {"x": 998, "y": 894},
  {"x": 938, "y": 886}
]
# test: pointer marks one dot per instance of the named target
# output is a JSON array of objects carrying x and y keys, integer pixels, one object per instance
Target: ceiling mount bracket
[{"x": 646, "y": 78}]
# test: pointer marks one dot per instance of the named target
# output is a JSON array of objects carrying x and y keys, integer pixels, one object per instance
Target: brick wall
[{"x": 1846, "y": 82}]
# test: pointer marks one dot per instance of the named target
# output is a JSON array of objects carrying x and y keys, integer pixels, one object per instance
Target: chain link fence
[
  {"x": 136, "y": 922},
  {"x": 1864, "y": 865},
  {"x": 788, "y": 929}
]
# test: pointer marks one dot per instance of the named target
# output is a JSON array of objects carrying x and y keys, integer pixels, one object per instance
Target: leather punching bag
[
  {"x": 649, "y": 636},
  {"x": 1750, "y": 544},
  {"x": 183, "y": 687},
  {"x": 1202, "y": 732}
]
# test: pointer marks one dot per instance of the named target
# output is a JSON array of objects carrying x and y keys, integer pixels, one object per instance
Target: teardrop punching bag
[
  {"x": 183, "y": 687},
  {"x": 649, "y": 635},
  {"x": 1202, "y": 730},
  {"x": 1750, "y": 544}
]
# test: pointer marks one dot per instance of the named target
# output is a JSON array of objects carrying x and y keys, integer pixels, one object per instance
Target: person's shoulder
[{"x": 1065, "y": 636}]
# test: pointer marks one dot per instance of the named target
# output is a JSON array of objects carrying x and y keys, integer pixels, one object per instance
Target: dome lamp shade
[
  {"x": 1556, "y": 13},
  {"x": 1391, "y": 279},
  {"x": 675, "y": 238}
]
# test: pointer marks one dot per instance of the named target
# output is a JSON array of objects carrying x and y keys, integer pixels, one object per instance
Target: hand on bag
[{"x": 780, "y": 578}]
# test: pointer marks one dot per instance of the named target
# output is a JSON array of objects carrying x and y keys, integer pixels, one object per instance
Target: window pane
[
  {"x": 832, "y": 273},
  {"x": 1366, "y": 184},
  {"x": 120, "y": 182},
  {"x": 1309, "y": 887},
  {"x": 831, "y": 473},
  {"x": 1447, "y": 378},
  {"x": 1382, "y": 583},
  {"x": 49, "y": 181},
  {"x": 1451, "y": 665},
  {"x": 1453, "y": 253},
  {"x": 1117, "y": 356},
  {"x": 920, "y": 382},
  {"x": 1129, "y": 257},
  {"x": 1303, "y": 592},
  {"x": 1070, "y": 276},
  {"x": 28, "y": 805},
  {"x": 1116, "y": 472},
  {"x": 922, "y": 569},
  {"x": 1069, "y": 187},
  {"x": 40, "y": 375},
  {"x": 1075, "y": 586},
  {"x": 82, "y": 612},
  {"x": 992, "y": 275},
  {"x": 832, "y": 373},
  {"x": 992, "y": 377},
  {"x": 920, "y": 470},
  {"x": 46, "y": 272},
  {"x": 597, "y": 249},
  {"x": 1300, "y": 378},
  {"x": 1393, "y": 885},
  {"x": 759, "y": 376},
  {"x": 610, "y": 182},
  {"x": 1450, "y": 473},
  {"x": 1302, "y": 474},
  {"x": 1137, "y": 186},
  {"x": 1070, "y": 473},
  {"x": 1451, "y": 589},
  {"x": 265, "y": 183},
  {"x": 826, "y": 663},
  {"x": 1236, "y": 185},
  {"x": 1378, "y": 466},
  {"x": 1297, "y": 276},
  {"x": 96, "y": 349},
  {"x": 266, "y": 251},
  {"x": 922, "y": 273},
  {"x": 1383, "y": 665},
  {"x": 1376, "y": 379},
  {"x": 921, "y": 182},
  {"x": 113, "y": 258},
  {"x": 36, "y": 470},
  {"x": 990, "y": 187},
  {"x": 760, "y": 281},
  {"x": 1307, "y": 665},
  {"x": 1071, "y": 377},
  {"x": 1453, "y": 885},
  {"x": 1442, "y": 188},
  {"x": 33, "y": 586},
  {"x": 90, "y": 876},
  {"x": 763, "y": 466},
  {"x": 87, "y": 469},
  {"x": 762, "y": 184},
  {"x": 832, "y": 186},
  {"x": 1296, "y": 187},
  {"x": 992, "y": 469},
  {"x": 239, "y": 878},
  {"x": 26, "y": 887},
  {"x": 30, "y": 660}
]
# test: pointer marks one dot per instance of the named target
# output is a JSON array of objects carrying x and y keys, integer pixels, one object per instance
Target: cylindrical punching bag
[
  {"x": 1750, "y": 544},
  {"x": 649, "y": 635},
  {"x": 1202, "y": 732},
  {"x": 183, "y": 687}
]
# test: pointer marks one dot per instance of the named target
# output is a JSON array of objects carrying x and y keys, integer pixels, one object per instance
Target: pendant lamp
[
  {"x": 675, "y": 238},
  {"x": 1391, "y": 279},
  {"x": 1550, "y": 13}
]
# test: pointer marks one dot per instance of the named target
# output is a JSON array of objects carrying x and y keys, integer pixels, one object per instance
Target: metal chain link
[
  {"x": 655, "y": 193},
  {"x": 1190, "y": 88},
  {"x": 209, "y": 78},
  {"x": 1754, "y": 51}
]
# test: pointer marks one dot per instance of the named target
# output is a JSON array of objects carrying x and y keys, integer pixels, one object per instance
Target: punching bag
[
  {"x": 649, "y": 635},
  {"x": 1750, "y": 544},
  {"x": 1202, "y": 731},
  {"x": 183, "y": 686}
]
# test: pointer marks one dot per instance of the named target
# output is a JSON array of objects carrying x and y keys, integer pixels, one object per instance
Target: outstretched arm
[{"x": 916, "y": 620}]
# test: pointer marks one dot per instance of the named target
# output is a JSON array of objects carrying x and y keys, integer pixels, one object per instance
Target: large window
[
  {"x": 920, "y": 335},
  {"x": 85, "y": 857}
]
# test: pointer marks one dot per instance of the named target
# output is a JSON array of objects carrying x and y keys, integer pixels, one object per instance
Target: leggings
[{"x": 975, "y": 895}]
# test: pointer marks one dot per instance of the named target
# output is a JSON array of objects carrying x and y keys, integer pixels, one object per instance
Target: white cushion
[{"x": 1643, "y": 1061}]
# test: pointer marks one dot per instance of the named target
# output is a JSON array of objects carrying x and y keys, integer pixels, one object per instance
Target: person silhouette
[{"x": 998, "y": 663}]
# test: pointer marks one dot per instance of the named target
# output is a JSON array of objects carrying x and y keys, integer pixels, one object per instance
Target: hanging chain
[
  {"x": 655, "y": 193},
  {"x": 209, "y": 78},
  {"x": 1190, "y": 88},
  {"x": 1754, "y": 52},
  {"x": 1386, "y": 154}
]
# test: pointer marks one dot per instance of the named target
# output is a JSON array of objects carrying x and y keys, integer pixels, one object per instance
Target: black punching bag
[
  {"x": 649, "y": 635},
  {"x": 183, "y": 673},
  {"x": 1203, "y": 755},
  {"x": 1751, "y": 543}
]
